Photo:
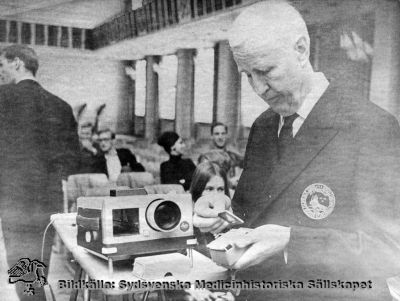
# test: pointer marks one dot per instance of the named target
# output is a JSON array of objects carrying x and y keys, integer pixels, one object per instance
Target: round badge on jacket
[{"x": 317, "y": 201}]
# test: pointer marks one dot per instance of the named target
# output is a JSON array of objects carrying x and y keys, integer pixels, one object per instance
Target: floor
[{"x": 60, "y": 270}]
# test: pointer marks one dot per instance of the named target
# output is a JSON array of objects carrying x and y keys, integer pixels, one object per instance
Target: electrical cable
[{"x": 44, "y": 238}]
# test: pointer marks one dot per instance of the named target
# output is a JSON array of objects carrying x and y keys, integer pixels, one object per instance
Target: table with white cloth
[{"x": 91, "y": 267}]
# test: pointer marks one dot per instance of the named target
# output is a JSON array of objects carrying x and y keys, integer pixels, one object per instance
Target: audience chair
[
  {"x": 164, "y": 188},
  {"x": 80, "y": 184},
  {"x": 76, "y": 186},
  {"x": 135, "y": 179}
]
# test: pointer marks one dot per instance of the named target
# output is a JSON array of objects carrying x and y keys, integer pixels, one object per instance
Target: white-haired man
[{"x": 321, "y": 173}]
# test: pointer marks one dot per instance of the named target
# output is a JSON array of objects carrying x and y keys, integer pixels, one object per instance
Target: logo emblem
[
  {"x": 30, "y": 272},
  {"x": 317, "y": 201}
]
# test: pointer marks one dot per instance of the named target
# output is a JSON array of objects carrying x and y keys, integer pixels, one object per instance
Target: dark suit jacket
[
  {"x": 129, "y": 160},
  {"x": 38, "y": 146},
  {"x": 352, "y": 147},
  {"x": 91, "y": 163}
]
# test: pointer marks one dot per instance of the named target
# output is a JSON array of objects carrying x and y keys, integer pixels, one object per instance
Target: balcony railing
[
  {"x": 45, "y": 35},
  {"x": 152, "y": 16},
  {"x": 155, "y": 15}
]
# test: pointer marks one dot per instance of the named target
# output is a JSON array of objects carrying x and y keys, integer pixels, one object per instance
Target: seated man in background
[
  {"x": 219, "y": 135},
  {"x": 90, "y": 160},
  {"x": 117, "y": 160}
]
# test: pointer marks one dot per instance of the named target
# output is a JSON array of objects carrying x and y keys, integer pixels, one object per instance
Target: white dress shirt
[
  {"x": 113, "y": 165},
  {"x": 320, "y": 84}
]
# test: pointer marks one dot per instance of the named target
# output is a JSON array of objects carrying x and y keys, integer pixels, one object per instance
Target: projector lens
[
  {"x": 167, "y": 215},
  {"x": 163, "y": 215}
]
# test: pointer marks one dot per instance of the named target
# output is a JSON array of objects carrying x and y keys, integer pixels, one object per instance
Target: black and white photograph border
[{"x": 137, "y": 69}]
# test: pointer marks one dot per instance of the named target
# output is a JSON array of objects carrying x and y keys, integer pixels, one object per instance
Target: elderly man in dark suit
[
  {"x": 38, "y": 147},
  {"x": 321, "y": 173}
]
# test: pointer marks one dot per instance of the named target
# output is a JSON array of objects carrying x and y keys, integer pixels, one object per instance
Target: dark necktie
[{"x": 286, "y": 133}]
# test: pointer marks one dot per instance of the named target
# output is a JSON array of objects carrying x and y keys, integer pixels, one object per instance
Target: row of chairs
[{"x": 98, "y": 185}]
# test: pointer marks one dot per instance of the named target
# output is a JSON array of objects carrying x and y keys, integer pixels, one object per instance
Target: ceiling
[
  {"x": 201, "y": 33},
  {"x": 74, "y": 13}
]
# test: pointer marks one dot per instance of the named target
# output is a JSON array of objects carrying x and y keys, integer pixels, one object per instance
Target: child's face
[{"x": 214, "y": 185}]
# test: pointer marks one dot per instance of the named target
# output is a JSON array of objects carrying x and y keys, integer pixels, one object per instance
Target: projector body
[{"x": 122, "y": 227}]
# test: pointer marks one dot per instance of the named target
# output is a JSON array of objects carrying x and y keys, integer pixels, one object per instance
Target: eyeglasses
[{"x": 104, "y": 139}]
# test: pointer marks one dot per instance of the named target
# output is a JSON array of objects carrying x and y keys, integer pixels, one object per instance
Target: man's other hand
[
  {"x": 262, "y": 243},
  {"x": 209, "y": 224}
]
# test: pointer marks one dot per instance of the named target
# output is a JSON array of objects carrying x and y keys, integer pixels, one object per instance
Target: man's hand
[
  {"x": 87, "y": 144},
  {"x": 234, "y": 181},
  {"x": 264, "y": 242},
  {"x": 209, "y": 224},
  {"x": 206, "y": 211},
  {"x": 126, "y": 168}
]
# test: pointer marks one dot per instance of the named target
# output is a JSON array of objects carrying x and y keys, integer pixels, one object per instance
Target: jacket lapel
[
  {"x": 316, "y": 132},
  {"x": 270, "y": 138}
]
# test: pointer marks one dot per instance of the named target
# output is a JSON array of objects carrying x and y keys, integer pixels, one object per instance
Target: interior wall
[{"x": 80, "y": 78}]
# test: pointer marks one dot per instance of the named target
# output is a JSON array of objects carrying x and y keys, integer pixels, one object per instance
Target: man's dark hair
[
  {"x": 217, "y": 156},
  {"x": 215, "y": 124},
  {"x": 107, "y": 130},
  {"x": 25, "y": 54},
  {"x": 87, "y": 124}
]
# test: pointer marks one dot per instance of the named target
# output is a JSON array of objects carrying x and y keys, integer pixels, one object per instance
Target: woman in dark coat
[{"x": 176, "y": 170}]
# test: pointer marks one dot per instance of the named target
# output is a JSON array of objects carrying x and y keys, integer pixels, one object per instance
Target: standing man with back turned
[
  {"x": 38, "y": 147},
  {"x": 321, "y": 173}
]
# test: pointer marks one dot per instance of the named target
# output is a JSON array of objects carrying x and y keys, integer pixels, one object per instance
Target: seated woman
[
  {"x": 222, "y": 159},
  {"x": 176, "y": 170},
  {"x": 208, "y": 179}
]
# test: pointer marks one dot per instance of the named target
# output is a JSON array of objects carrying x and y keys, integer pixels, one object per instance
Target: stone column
[
  {"x": 123, "y": 124},
  {"x": 227, "y": 89},
  {"x": 151, "y": 116},
  {"x": 126, "y": 110},
  {"x": 184, "y": 104}
]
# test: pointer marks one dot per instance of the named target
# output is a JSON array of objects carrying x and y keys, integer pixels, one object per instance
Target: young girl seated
[
  {"x": 208, "y": 179},
  {"x": 224, "y": 161}
]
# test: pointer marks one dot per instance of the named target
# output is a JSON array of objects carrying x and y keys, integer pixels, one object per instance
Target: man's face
[
  {"x": 274, "y": 74},
  {"x": 219, "y": 136},
  {"x": 7, "y": 70},
  {"x": 85, "y": 133},
  {"x": 105, "y": 142}
]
